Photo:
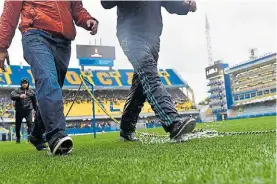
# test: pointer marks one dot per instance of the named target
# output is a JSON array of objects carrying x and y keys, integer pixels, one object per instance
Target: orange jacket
[{"x": 52, "y": 16}]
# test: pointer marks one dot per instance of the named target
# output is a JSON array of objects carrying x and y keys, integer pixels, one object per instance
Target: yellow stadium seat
[{"x": 85, "y": 108}]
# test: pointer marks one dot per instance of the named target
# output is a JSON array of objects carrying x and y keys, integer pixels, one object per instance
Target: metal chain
[
  {"x": 245, "y": 133},
  {"x": 210, "y": 133}
]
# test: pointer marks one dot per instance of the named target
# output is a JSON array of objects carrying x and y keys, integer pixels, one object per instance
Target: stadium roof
[{"x": 249, "y": 63}]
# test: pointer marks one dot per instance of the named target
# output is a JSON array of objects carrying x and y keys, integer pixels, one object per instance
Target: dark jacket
[
  {"x": 143, "y": 18},
  {"x": 28, "y": 103}
]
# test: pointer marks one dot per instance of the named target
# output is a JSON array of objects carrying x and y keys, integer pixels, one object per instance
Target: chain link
[{"x": 211, "y": 133}]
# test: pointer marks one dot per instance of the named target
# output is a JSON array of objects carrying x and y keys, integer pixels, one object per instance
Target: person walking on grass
[
  {"x": 139, "y": 27},
  {"x": 25, "y": 103},
  {"x": 47, "y": 29}
]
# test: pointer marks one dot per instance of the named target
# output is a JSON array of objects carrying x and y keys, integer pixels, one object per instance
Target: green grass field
[{"x": 237, "y": 159}]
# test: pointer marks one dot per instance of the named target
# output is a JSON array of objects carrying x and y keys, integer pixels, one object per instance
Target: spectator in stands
[
  {"x": 48, "y": 29},
  {"x": 25, "y": 103},
  {"x": 2, "y": 114},
  {"x": 139, "y": 33}
]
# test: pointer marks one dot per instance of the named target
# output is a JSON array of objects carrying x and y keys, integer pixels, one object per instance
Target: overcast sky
[{"x": 236, "y": 26}]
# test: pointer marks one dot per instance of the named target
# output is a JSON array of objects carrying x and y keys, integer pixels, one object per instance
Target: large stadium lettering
[
  {"x": 212, "y": 71},
  {"x": 116, "y": 75},
  {"x": 73, "y": 78},
  {"x": 88, "y": 76},
  {"x": 5, "y": 77},
  {"x": 30, "y": 73},
  {"x": 130, "y": 77},
  {"x": 164, "y": 74},
  {"x": 112, "y": 109},
  {"x": 96, "y": 77},
  {"x": 2, "y": 79},
  {"x": 104, "y": 78}
]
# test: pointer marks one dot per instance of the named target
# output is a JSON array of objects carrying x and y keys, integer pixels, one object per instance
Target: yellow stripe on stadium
[
  {"x": 116, "y": 75},
  {"x": 7, "y": 76},
  {"x": 166, "y": 76}
]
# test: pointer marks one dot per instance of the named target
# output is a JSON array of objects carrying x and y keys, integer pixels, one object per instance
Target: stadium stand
[
  {"x": 111, "y": 88},
  {"x": 6, "y": 105},
  {"x": 255, "y": 108},
  {"x": 253, "y": 86},
  {"x": 113, "y": 101}
]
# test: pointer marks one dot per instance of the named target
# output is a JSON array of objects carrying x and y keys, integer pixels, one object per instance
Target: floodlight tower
[
  {"x": 219, "y": 82},
  {"x": 209, "y": 43}
]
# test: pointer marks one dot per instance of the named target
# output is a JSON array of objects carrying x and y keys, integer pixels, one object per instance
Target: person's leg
[
  {"x": 18, "y": 122},
  {"x": 62, "y": 54},
  {"x": 38, "y": 127},
  {"x": 143, "y": 55},
  {"x": 62, "y": 58},
  {"x": 132, "y": 109},
  {"x": 2, "y": 120},
  {"x": 28, "y": 117},
  {"x": 39, "y": 54}
]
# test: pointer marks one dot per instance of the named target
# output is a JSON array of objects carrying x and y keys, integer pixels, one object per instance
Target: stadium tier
[
  {"x": 235, "y": 91},
  {"x": 253, "y": 85},
  {"x": 114, "y": 107},
  {"x": 111, "y": 88}
]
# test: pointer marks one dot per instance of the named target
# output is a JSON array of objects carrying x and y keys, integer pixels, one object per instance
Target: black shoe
[
  {"x": 60, "y": 144},
  {"x": 39, "y": 144},
  {"x": 17, "y": 141},
  {"x": 130, "y": 136},
  {"x": 180, "y": 128}
]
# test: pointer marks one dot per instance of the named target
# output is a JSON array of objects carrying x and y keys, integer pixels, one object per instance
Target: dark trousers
[
  {"x": 143, "y": 53},
  {"x": 2, "y": 120},
  {"x": 19, "y": 115},
  {"x": 49, "y": 59}
]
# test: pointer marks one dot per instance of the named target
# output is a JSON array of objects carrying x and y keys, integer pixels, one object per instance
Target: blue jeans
[{"x": 49, "y": 58}]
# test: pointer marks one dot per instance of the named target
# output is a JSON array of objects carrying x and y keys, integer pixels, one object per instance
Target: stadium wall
[{"x": 228, "y": 90}]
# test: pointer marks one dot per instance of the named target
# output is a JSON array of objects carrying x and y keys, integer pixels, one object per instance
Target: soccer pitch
[{"x": 236, "y": 159}]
